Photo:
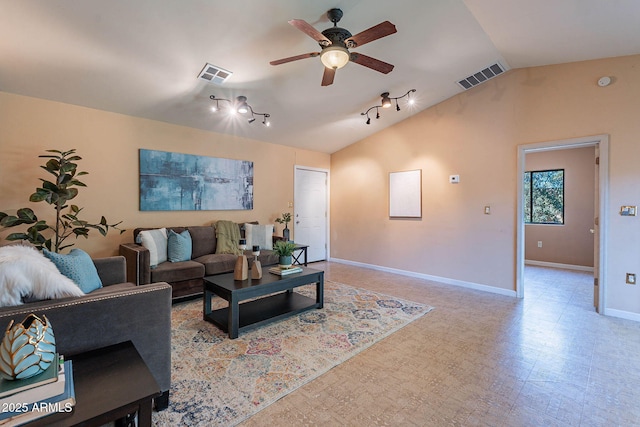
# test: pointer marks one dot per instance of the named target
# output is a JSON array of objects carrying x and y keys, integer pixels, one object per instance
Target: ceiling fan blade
[
  {"x": 376, "y": 32},
  {"x": 294, "y": 58},
  {"x": 308, "y": 29},
  {"x": 373, "y": 63},
  {"x": 327, "y": 77}
]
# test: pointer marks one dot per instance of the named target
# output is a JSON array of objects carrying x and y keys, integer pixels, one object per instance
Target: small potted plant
[
  {"x": 285, "y": 219},
  {"x": 284, "y": 249}
]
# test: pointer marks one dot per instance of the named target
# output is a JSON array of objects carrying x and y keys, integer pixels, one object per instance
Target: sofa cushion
[
  {"x": 217, "y": 263},
  {"x": 203, "y": 240},
  {"x": 77, "y": 266},
  {"x": 107, "y": 290},
  {"x": 260, "y": 235},
  {"x": 178, "y": 246},
  {"x": 177, "y": 271},
  {"x": 268, "y": 257},
  {"x": 156, "y": 242}
]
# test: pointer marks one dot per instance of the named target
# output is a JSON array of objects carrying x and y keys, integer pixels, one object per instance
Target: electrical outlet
[
  {"x": 539, "y": 243},
  {"x": 631, "y": 278}
]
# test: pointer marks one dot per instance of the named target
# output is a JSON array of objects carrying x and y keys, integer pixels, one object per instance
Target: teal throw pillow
[
  {"x": 77, "y": 266},
  {"x": 178, "y": 246}
]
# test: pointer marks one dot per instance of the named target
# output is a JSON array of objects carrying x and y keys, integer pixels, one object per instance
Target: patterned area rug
[{"x": 219, "y": 381}]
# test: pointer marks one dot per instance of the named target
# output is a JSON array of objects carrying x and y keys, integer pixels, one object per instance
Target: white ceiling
[{"x": 142, "y": 57}]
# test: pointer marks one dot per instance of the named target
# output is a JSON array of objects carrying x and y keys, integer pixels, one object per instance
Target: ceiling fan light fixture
[{"x": 335, "y": 57}]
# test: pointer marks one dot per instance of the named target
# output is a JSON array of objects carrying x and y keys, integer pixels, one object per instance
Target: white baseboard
[
  {"x": 628, "y": 315},
  {"x": 558, "y": 265},
  {"x": 445, "y": 280}
]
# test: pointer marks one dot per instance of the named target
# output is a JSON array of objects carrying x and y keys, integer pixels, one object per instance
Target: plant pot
[{"x": 285, "y": 261}]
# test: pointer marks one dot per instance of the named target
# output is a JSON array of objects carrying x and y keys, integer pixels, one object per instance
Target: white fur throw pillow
[{"x": 24, "y": 271}]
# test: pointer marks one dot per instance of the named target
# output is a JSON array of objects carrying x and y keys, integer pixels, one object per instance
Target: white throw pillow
[
  {"x": 24, "y": 271},
  {"x": 261, "y": 235},
  {"x": 156, "y": 242}
]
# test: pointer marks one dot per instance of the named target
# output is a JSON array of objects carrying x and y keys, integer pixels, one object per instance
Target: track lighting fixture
[
  {"x": 386, "y": 103},
  {"x": 240, "y": 106}
]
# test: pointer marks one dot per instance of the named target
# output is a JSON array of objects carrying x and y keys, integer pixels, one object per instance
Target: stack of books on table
[
  {"x": 284, "y": 271},
  {"x": 50, "y": 392}
]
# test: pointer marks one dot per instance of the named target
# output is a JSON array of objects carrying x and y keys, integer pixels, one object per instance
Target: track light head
[
  {"x": 386, "y": 102},
  {"x": 251, "y": 120},
  {"x": 243, "y": 107},
  {"x": 368, "y": 120}
]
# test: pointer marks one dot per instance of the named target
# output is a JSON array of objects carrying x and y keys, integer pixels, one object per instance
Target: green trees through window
[{"x": 544, "y": 197}]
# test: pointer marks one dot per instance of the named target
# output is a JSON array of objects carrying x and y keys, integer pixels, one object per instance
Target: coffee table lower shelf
[{"x": 264, "y": 310}]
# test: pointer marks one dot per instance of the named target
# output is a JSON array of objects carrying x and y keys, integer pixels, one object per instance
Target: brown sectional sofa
[{"x": 186, "y": 277}]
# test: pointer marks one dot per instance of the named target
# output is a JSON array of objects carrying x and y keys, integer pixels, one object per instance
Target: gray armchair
[{"x": 117, "y": 312}]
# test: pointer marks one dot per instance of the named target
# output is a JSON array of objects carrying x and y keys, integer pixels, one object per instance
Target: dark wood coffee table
[{"x": 272, "y": 298}]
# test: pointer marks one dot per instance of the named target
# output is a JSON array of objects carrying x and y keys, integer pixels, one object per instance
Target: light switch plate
[
  {"x": 454, "y": 179},
  {"x": 628, "y": 210}
]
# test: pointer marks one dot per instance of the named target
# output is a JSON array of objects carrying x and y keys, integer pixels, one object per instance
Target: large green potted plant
[
  {"x": 284, "y": 249},
  {"x": 57, "y": 193}
]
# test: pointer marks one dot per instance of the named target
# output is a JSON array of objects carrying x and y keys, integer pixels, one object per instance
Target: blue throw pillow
[
  {"x": 77, "y": 266},
  {"x": 178, "y": 246}
]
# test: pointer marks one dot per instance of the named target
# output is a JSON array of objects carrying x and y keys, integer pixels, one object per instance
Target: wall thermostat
[{"x": 604, "y": 81}]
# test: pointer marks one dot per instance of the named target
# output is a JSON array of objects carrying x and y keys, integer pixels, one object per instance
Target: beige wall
[
  {"x": 476, "y": 135},
  {"x": 108, "y": 144},
  {"x": 572, "y": 242}
]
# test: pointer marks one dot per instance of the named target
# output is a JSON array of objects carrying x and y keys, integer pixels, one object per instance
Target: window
[{"x": 544, "y": 197}]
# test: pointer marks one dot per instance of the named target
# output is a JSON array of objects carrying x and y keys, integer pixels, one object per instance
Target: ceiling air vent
[
  {"x": 213, "y": 74},
  {"x": 481, "y": 76}
]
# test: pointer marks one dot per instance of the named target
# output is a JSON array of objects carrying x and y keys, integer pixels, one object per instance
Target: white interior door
[{"x": 310, "y": 218}]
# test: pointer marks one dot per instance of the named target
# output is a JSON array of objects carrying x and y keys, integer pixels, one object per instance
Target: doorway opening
[{"x": 601, "y": 144}]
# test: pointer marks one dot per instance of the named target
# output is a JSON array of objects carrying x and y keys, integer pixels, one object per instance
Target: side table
[
  {"x": 302, "y": 252},
  {"x": 110, "y": 384}
]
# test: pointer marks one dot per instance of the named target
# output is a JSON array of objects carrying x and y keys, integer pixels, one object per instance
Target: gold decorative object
[{"x": 27, "y": 349}]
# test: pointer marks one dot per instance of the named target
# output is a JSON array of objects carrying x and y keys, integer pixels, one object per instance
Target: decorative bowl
[{"x": 27, "y": 349}]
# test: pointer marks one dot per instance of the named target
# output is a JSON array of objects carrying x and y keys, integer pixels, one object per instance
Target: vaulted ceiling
[{"x": 142, "y": 58}]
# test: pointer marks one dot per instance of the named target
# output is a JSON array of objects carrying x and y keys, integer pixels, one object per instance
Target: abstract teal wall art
[{"x": 186, "y": 182}]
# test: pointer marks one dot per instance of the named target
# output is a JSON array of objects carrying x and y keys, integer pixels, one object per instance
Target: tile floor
[{"x": 479, "y": 359}]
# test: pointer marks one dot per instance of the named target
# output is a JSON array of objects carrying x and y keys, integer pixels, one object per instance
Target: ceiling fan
[{"x": 336, "y": 42}]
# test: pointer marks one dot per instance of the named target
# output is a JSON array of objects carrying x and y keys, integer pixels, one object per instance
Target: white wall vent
[
  {"x": 214, "y": 74},
  {"x": 481, "y": 76}
]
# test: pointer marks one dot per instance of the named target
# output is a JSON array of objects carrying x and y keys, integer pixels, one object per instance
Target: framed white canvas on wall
[{"x": 405, "y": 194}]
